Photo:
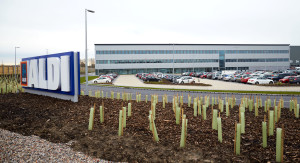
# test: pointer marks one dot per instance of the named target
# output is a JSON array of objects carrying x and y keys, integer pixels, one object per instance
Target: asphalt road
[{"x": 170, "y": 94}]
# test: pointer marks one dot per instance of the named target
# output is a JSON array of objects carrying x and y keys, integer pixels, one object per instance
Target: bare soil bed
[
  {"x": 280, "y": 85},
  {"x": 62, "y": 121}
]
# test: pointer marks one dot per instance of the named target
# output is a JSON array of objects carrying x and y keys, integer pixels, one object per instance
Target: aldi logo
[
  {"x": 24, "y": 73},
  {"x": 55, "y": 75}
]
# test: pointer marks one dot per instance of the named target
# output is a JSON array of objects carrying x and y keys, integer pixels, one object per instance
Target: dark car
[
  {"x": 276, "y": 78},
  {"x": 294, "y": 80},
  {"x": 171, "y": 77},
  {"x": 144, "y": 75},
  {"x": 168, "y": 77},
  {"x": 151, "y": 78}
]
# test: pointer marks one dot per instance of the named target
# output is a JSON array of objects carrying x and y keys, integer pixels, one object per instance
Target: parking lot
[{"x": 132, "y": 81}]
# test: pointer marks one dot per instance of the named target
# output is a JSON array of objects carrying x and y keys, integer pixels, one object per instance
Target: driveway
[{"x": 132, "y": 81}]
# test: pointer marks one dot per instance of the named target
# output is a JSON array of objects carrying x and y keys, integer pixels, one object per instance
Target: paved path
[{"x": 131, "y": 80}]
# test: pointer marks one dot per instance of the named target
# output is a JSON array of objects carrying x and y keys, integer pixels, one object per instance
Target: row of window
[
  {"x": 259, "y": 60},
  {"x": 157, "y": 61},
  {"x": 191, "y": 51},
  {"x": 189, "y": 61},
  {"x": 164, "y": 70}
]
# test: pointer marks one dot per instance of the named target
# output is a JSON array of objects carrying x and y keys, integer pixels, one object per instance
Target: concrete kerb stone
[{"x": 199, "y": 91}]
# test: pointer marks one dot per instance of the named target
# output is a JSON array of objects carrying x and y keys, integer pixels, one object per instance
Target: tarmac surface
[{"x": 132, "y": 81}]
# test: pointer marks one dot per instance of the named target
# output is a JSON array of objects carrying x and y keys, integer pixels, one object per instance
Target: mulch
[{"x": 62, "y": 121}]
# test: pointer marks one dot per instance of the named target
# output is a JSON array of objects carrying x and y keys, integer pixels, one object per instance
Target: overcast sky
[{"x": 58, "y": 25}]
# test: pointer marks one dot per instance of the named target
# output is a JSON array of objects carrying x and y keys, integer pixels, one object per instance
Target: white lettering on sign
[
  {"x": 56, "y": 77},
  {"x": 53, "y": 67},
  {"x": 33, "y": 74},
  {"x": 65, "y": 71},
  {"x": 42, "y": 74}
]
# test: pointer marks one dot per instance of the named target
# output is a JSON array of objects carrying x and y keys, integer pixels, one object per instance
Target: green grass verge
[
  {"x": 82, "y": 79},
  {"x": 221, "y": 91}
]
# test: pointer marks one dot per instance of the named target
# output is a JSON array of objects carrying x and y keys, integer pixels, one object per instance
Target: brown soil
[
  {"x": 280, "y": 85},
  {"x": 63, "y": 121}
]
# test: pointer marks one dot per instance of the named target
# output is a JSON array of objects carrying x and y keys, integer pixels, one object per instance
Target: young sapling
[{"x": 91, "y": 120}]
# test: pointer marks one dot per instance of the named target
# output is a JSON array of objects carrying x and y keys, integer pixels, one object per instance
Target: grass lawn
[{"x": 82, "y": 79}]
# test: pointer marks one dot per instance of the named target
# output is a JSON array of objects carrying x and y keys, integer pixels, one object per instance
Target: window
[
  {"x": 271, "y": 60},
  {"x": 231, "y": 60}
]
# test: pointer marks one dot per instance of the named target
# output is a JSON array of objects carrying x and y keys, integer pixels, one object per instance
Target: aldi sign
[
  {"x": 55, "y": 75},
  {"x": 24, "y": 73}
]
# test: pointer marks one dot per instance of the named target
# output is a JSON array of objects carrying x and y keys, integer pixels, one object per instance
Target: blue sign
[{"x": 53, "y": 74}]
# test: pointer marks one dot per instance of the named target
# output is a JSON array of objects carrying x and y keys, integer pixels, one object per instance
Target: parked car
[
  {"x": 185, "y": 74},
  {"x": 260, "y": 80},
  {"x": 285, "y": 79},
  {"x": 102, "y": 80},
  {"x": 215, "y": 76},
  {"x": 198, "y": 74},
  {"x": 169, "y": 77},
  {"x": 227, "y": 77},
  {"x": 221, "y": 77},
  {"x": 239, "y": 80},
  {"x": 204, "y": 75},
  {"x": 276, "y": 78},
  {"x": 294, "y": 80},
  {"x": 192, "y": 74},
  {"x": 152, "y": 78},
  {"x": 245, "y": 80},
  {"x": 107, "y": 76},
  {"x": 113, "y": 75},
  {"x": 209, "y": 76},
  {"x": 185, "y": 79},
  {"x": 234, "y": 78}
]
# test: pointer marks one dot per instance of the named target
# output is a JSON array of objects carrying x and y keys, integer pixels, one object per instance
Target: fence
[{"x": 9, "y": 69}]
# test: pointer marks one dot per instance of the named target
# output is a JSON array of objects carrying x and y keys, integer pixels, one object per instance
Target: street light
[
  {"x": 15, "y": 62},
  {"x": 86, "y": 60}
]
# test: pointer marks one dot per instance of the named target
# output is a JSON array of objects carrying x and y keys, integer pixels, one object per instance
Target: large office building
[
  {"x": 135, "y": 58},
  {"x": 295, "y": 56}
]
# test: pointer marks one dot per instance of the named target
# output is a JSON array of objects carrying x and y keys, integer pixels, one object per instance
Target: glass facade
[
  {"x": 219, "y": 55},
  {"x": 163, "y": 70},
  {"x": 222, "y": 60},
  {"x": 259, "y": 60},
  {"x": 156, "y": 61},
  {"x": 103, "y": 52}
]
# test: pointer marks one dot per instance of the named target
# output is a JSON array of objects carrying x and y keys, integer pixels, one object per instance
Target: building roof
[{"x": 205, "y": 44}]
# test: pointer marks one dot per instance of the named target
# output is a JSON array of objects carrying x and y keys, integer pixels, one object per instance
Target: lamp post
[
  {"x": 86, "y": 59},
  {"x": 15, "y": 62}
]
